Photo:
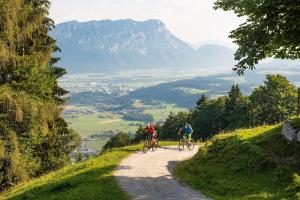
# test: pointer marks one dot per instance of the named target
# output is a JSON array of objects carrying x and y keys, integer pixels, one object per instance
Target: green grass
[
  {"x": 89, "y": 180},
  {"x": 96, "y": 144},
  {"x": 85, "y": 125},
  {"x": 159, "y": 113},
  {"x": 163, "y": 113},
  {"x": 246, "y": 164}
]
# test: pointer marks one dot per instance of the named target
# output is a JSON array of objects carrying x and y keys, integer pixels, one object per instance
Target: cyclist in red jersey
[{"x": 151, "y": 132}]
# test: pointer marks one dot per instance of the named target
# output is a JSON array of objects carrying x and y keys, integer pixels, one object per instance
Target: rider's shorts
[
  {"x": 149, "y": 136},
  {"x": 187, "y": 136}
]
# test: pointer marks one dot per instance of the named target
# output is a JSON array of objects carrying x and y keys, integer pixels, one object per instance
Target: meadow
[
  {"x": 90, "y": 179},
  {"x": 256, "y": 163}
]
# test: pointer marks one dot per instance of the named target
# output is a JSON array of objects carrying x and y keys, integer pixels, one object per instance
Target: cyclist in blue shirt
[{"x": 187, "y": 132}]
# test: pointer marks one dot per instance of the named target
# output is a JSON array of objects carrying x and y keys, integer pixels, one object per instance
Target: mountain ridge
[{"x": 109, "y": 45}]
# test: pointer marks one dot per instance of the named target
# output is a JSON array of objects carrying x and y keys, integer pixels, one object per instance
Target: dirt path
[{"x": 148, "y": 176}]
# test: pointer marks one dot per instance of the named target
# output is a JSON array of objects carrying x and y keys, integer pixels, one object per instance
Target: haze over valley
[{"x": 125, "y": 73}]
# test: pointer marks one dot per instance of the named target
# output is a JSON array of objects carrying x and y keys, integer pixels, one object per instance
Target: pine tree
[
  {"x": 203, "y": 99},
  {"x": 30, "y": 98},
  {"x": 236, "y": 111}
]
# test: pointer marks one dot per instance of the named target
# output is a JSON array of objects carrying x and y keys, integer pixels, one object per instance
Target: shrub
[{"x": 120, "y": 140}]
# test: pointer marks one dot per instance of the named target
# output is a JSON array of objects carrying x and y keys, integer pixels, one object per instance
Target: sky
[{"x": 194, "y": 21}]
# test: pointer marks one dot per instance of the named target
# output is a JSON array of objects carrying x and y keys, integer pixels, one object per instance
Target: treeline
[
  {"x": 99, "y": 98},
  {"x": 138, "y": 116},
  {"x": 34, "y": 139},
  {"x": 270, "y": 103}
]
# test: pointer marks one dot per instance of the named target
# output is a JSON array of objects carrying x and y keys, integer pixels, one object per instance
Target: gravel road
[{"x": 147, "y": 176}]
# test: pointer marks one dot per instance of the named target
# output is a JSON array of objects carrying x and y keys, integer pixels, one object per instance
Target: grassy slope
[
  {"x": 89, "y": 180},
  {"x": 246, "y": 164}
]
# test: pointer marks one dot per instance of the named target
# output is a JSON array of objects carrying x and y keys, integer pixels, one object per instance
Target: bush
[
  {"x": 295, "y": 123},
  {"x": 120, "y": 140}
]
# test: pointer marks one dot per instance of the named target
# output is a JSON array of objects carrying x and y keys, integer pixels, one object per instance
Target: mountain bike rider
[
  {"x": 151, "y": 132},
  {"x": 187, "y": 132}
]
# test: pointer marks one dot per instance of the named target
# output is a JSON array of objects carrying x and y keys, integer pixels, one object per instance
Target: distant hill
[
  {"x": 185, "y": 93},
  {"x": 106, "y": 45}
]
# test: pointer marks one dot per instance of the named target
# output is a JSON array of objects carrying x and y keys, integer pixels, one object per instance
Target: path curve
[{"x": 147, "y": 176}]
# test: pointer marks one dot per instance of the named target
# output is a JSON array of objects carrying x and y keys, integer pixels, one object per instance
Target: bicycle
[
  {"x": 153, "y": 144},
  {"x": 185, "y": 142}
]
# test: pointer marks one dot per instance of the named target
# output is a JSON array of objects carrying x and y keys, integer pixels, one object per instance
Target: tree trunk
[{"x": 298, "y": 103}]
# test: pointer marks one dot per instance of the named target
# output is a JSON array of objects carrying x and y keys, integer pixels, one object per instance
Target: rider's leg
[
  {"x": 151, "y": 139},
  {"x": 189, "y": 137},
  {"x": 184, "y": 137}
]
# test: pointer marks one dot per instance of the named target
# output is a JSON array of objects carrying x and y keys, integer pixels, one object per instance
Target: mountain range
[{"x": 106, "y": 45}]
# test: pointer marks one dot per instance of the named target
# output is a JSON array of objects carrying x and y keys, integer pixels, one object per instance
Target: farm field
[
  {"x": 96, "y": 122},
  {"x": 160, "y": 114},
  {"x": 87, "y": 124}
]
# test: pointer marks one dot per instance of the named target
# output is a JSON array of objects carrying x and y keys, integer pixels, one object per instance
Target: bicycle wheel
[
  {"x": 191, "y": 145},
  {"x": 181, "y": 145},
  {"x": 157, "y": 143},
  {"x": 154, "y": 145},
  {"x": 146, "y": 146}
]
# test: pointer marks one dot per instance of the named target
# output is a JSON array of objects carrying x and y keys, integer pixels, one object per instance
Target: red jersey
[{"x": 150, "y": 129}]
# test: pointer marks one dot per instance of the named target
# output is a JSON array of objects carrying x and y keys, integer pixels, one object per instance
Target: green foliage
[
  {"x": 271, "y": 30},
  {"x": 120, "y": 140},
  {"x": 171, "y": 126},
  {"x": 139, "y": 135},
  {"x": 270, "y": 103},
  {"x": 12, "y": 168},
  {"x": 237, "y": 109},
  {"x": 79, "y": 157},
  {"x": 34, "y": 138},
  {"x": 208, "y": 119},
  {"x": 246, "y": 164},
  {"x": 295, "y": 123},
  {"x": 138, "y": 116},
  {"x": 90, "y": 179},
  {"x": 274, "y": 101}
]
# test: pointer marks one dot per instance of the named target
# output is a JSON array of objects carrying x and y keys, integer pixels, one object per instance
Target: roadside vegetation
[
  {"x": 90, "y": 179},
  {"x": 245, "y": 164}
]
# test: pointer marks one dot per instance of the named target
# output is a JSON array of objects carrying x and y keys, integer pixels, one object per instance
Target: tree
[
  {"x": 271, "y": 30},
  {"x": 169, "y": 130},
  {"x": 120, "y": 140},
  {"x": 236, "y": 112},
  {"x": 139, "y": 135},
  {"x": 30, "y": 98},
  {"x": 203, "y": 99},
  {"x": 79, "y": 157},
  {"x": 11, "y": 165},
  {"x": 209, "y": 120},
  {"x": 274, "y": 101}
]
